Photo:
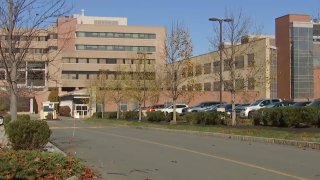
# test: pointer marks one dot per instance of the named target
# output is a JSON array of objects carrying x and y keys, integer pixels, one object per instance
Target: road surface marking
[
  {"x": 71, "y": 127},
  {"x": 203, "y": 154}
]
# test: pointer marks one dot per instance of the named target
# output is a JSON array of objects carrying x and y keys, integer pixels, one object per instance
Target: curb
[{"x": 299, "y": 144}]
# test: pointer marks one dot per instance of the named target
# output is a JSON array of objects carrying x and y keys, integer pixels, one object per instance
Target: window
[
  {"x": 111, "y": 61},
  {"x": 198, "y": 87},
  {"x": 82, "y": 60},
  {"x": 207, "y": 68},
  {"x": 2, "y": 75},
  {"x": 198, "y": 70},
  {"x": 123, "y": 106},
  {"x": 227, "y": 65},
  {"x": 216, "y": 66},
  {"x": 116, "y": 48},
  {"x": 93, "y": 61},
  {"x": 251, "y": 59},
  {"x": 216, "y": 86},
  {"x": 36, "y": 65},
  {"x": 190, "y": 87},
  {"x": 117, "y": 35},
  {"x": 251, "y": 84},
  {"x": 239, "y": 62},
  {"x": 207, "y": 86},
  {"x": 184, "y": 88},
  {"x": 228, "y": 85}
]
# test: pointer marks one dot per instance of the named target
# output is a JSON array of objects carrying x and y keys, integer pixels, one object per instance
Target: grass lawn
[{"x": 279, "y": 133}]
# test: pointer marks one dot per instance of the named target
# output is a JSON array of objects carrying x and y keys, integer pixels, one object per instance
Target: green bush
[
  {"x": 7, "y": 118},
  {"x": 156, "y": 116},
  {"x": 106, "y": 115},
  {"x": 130, "y": 115},
  {"x": 37, "y": 165},
  {"x": 28, "y": 134},
  {"x": 205, "y": 118},
  {"x": 288, "y": 117},
  {"x": 65, "y": 111}
]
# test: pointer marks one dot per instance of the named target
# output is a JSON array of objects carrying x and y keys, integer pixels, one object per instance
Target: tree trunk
[
  {"x": 140, "y": 112},
  {"x": 13, "y": 102},
  {"x": 174, "y": 115},
  {"x": 233, "y": 112},
  {"x": 102, "y": 110},
  {"x": 118, "y": 110},
  {"x": 13, "y": 92}
]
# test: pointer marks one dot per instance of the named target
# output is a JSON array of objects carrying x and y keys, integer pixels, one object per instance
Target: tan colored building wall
[
  {"x": 123, "y": 58},
  {"x": 261, "y": 48}
]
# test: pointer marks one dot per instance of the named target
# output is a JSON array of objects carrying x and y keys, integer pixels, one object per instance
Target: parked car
[
  {"x": 212, "y": 108},
  {"x": 280, "y": 104},
  {"x": 240, "y": 108},
  {"x": 201, "y": 107},
  {"x": 301, "y": 104},
  {"x": 314, "y": 103},
  {"x": 256, "y": 105},
  {"x": 1, "y": 120},
  {"x": 179, "y": 108},
  {"x": 156, "y": 107}
]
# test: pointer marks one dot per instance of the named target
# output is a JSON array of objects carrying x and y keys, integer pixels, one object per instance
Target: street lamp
[
  {"x": 144, "y": 54},
  {"x": 220, "y": 20}
]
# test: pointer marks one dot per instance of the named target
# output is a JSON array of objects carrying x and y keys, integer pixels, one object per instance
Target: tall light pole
[
  {"x": 144, "y": 54},
  {"x": 220, "y": 20}
]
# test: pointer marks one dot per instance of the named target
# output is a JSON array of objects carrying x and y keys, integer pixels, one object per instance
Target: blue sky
[{"x": 195, "y": 14}]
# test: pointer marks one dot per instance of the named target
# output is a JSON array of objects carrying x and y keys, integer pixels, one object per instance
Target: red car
[{"x": 155, "y": 107}]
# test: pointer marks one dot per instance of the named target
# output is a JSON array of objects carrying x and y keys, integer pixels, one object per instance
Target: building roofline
[
  {"x": 262, "y": 37},
  {"x": 293, "y": 14}
]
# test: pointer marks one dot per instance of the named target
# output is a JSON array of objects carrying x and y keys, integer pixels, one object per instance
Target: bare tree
[
  {"x": 238, "y": 44},
  {"x": 142, "y": 85},
  {"x": 177, "y": 53},
  {"x": 21, "y": 23}
]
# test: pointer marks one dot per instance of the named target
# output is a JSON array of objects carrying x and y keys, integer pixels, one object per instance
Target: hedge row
[
  {"x": 288, "y": 117},
  {"x": 129, "y": 115},
  {"x": 201, "y": 118}
]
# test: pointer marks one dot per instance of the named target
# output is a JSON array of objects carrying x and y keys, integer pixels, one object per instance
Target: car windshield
[
  {"x": 272, "y": 105},
  {"x": 256, "y": 102}
]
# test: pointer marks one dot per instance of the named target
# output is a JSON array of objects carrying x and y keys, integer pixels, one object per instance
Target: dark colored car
[
  {"x": 300, "y": 104},
  {"x": 314, "y": 103},
  {"x": 280, "y": 104}
]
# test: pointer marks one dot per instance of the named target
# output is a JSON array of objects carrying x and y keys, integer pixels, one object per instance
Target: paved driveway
[{"x": 133, "y": 153}]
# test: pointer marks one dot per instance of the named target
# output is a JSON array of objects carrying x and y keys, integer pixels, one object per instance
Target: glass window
[
  {"x": 111, "y": 61},
  {"x": 93, "y": 61},
  {"x": 227, "y": 65},
  {"x": 251, "y": 83},
  {"x": 216, "y": 86},
  {"x": 216, "y": 66},
  {"x": 207, "y": 86},
  {"x": 198, "y": 70},
  {"x": 251, "y": 59},
  {"x": 82, "y": 60},
  {"x": 207, "y": 68}
]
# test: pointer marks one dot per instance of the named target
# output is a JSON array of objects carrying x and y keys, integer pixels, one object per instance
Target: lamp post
[
  {"x": 220, "y": 20},
  {"x": 144, "y": 54}
]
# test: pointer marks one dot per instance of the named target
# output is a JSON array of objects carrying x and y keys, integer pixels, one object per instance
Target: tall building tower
[{"x": 294, "y": 41}]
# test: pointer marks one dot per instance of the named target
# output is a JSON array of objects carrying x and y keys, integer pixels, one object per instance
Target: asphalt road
[{"x": 133, "y": 153}]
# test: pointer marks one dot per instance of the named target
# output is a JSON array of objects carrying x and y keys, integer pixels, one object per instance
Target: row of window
[
  {"x": 30, "y": 77},
  {"x": 116, "y": 35},
  {"x": 29, "y": 65},
  {"x": 207, "y": 69},
  {"x": 94, "y": 75},
  {"x": 116, "y": 48},
  {"x": 240, "y": 85},
  {"x": 31, "y": 50},
  {"x": 106, "y": 61},
  {"x": 28, "y": 38}
]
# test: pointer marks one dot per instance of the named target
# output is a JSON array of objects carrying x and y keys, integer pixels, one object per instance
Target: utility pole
[{"x": 220, "y": 20}]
